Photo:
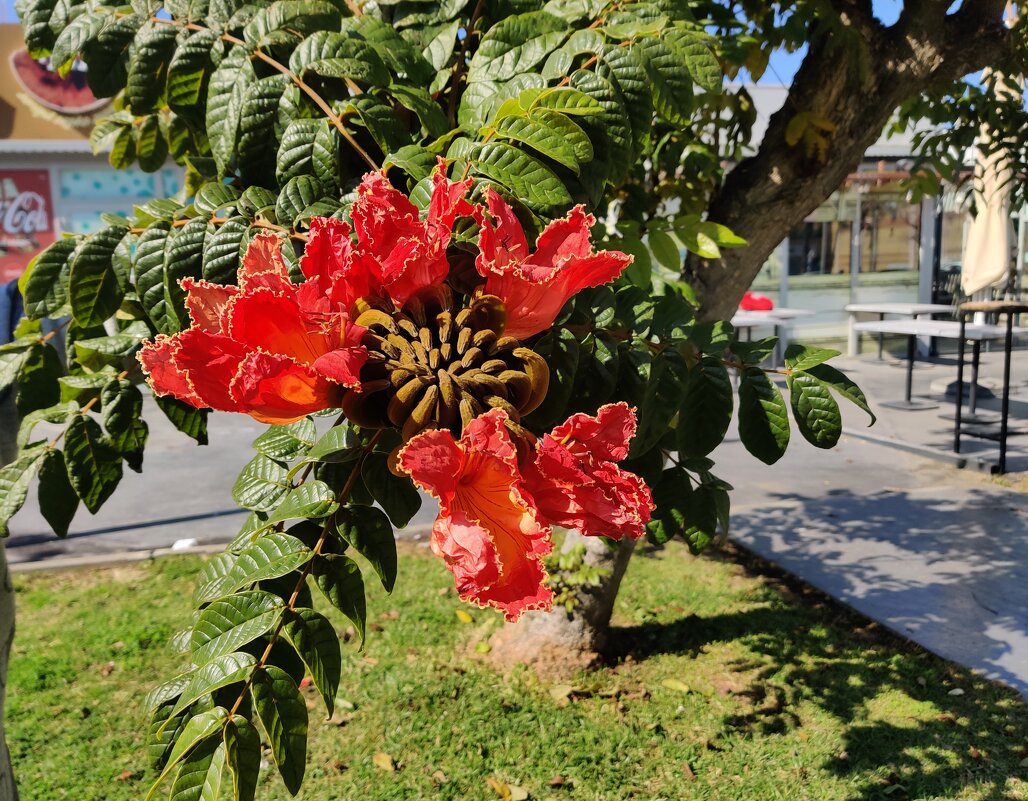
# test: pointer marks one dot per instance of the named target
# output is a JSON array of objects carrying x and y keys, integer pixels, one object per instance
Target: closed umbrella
[{"x": 990, "y": 238}]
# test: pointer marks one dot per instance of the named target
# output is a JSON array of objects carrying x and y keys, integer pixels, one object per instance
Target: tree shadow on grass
[{"x": 905, "y": 735}]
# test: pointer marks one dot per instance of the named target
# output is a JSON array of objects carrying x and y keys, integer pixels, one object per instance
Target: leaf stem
[
  {"x": 319, "y": 101},
  {"x": 341, "y": 499}
]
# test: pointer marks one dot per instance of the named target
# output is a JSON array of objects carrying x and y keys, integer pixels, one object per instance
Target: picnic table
[
  {"x": 998, "y": 307},
  {"x": 914, "y": 310},
  {"x": 772, "y": 318},
  {"x": 941, "y": 329}
]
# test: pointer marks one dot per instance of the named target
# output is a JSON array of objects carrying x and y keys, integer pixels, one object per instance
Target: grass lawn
[{"x": 730, "y": 686}]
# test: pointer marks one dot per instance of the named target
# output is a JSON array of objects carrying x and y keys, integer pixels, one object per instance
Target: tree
[
  {"x": 277, "y": 109},
  {"x": 857, "y": 73}
]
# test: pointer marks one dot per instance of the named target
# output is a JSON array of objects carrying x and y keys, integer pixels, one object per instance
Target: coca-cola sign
[{"x": 26, "y": 219}]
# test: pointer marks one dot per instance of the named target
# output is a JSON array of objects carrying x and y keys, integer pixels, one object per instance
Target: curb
[{"x": 958, "y": 460}]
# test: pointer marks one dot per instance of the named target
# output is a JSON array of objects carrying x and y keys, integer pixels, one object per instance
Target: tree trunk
[
  {"x": 8, "y": 428},
  {"x": 559, "y": 642},
  {"x": 854, "y": 90},
  {"x": 8, "y": 790}
]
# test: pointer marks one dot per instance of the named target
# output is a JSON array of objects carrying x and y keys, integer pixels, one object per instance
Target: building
[
  {"x": 868, "y": 242},
  {"x": 50, "y": 181}
]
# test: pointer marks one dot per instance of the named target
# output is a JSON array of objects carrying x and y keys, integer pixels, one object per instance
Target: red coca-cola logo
[{"x": 25, "y": 214}]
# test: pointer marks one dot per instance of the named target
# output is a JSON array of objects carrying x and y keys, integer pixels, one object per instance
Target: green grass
[{"x": 729, "y": 685}]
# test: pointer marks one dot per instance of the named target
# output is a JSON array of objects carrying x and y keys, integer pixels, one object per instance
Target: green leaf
[
  {"x": 338, "y": 444},
  {"x": 283, "y": 714},
  {"x": 54, "y": 414},
  {"x": 317, "y": 644},
  {"x": 227, "y": 88},
  {"x": 694, "y": 50},
  {"x": 815, "y": 410},
  {"x": 551, "y": 134},
  {"x": 202, "y": 773},
  {"x": 212, "y": 580},
  {"x": 122, "y": 404},
  {"x": 287, "y": 442},
  {"x": 660, "y": 401},
  {"x": 339, "y": 578},
  {"x": 684, "y": 511},
  {"x": 312, "y": 500},
  {"x": 258, "y": 142},
  {"x": 706, "y": 408},
  {"x": 670, "y": 82},
  {"x": 298, "y": 193},
  {"x": 14, "y": 484},
  {"x": 149, "y": 58},
  {"x": 37, "y": 380},
  {"x": 261, "y": 485},
  {"x": 803, "y": 357},
  {"x": 94, "y": 465},
  {"x": 231, "y": 622},
  {"x": 93, "y": 286},
  {"x": 198, "y": 729},
  {"x": 271, "y": 555},
  {"x": 368, "y": 530},
  {"x": 220, "y": 672},
  {"x": 763, "y": 419},
  {"x": 83, "y": 388},
  {"x": 564, "y": 99},
  {"x": 665, "y": 249},
  {"x": 214, "y": 196},
  {"x": 151, "y": 145},
  {"x": 515, "y": 45},
  {"x": 528, "y": 178},
  {"x": 396, "y": 495},
  {"x": 223, "y": 250},
  {"x": 57, "y": 499},
  {"x": 421, "y": 103},
  {"x": 243, "y": 755},
  {"x": 149, "y": 268},
  {"x": 69, "y": 42},
  {"x": 299, "y": 17},
  {"x": 44, "y": 285},
  {"x": 188, "y": 69},
  {"x": 190, "y": 421},
  {"x": 842, "y": 384}
]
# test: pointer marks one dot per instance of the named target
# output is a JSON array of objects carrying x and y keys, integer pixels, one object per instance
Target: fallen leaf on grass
[
  {"x": 689, "y": 773},
  {"x": 508, "y": 792},
  {"x": 676, "y": 684},
  {"x": 384, "y": 761},
  {"x": 439, "y": 777},
  {"x": 127, "y": 775},
  {"x": 463, "y": 616},
  {"x": 558, "y": 781},
  {"x": 561, "y": 693},
  {"x": 955, "y": 691},
  {"x": 107, "y": 670}
]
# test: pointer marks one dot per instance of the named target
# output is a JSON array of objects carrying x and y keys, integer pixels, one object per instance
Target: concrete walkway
[{"x": 937, "y": 554}]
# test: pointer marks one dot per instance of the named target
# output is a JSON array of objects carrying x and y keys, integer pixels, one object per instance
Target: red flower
[
  {"x": 403, "y": 252},
  {"x": 576, "y": 484},
  {"x": 487, "y": 530},
  {"x": 270, "y": 348},
  {"x": 534, "y": 286}
]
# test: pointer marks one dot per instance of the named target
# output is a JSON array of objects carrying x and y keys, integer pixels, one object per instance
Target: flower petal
[
  {"x": 487, "y": 531},
  {"x": 207, "y": 303},
  {"x": 262, "y": 264},
  {"x": 211, "y": 362},
  {"x": 164, "y": 374},
  {"x": 343, "y": 365},
  {"x": 275, "y": 389},
  {"x": 332, "y": 264},
  {"x": 534, "y": 287},
  {"x": 273, "y": 322},
  {"x": 576, "y": 484}
]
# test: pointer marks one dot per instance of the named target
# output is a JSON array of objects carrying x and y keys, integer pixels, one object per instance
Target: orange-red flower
[
  {"x": 403, "y": 252},
  {"x": 487, "y": 530},
  {"x": 270, "y": 348},
  {"x": 534, "y": 286},
  {"x": 575, "y": 482}
]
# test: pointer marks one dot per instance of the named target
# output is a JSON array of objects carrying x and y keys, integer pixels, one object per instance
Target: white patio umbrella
[{"x": 990, "y": 237}]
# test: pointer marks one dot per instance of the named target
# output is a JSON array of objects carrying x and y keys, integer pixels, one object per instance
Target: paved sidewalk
[{"x": 937, "y": 554}]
